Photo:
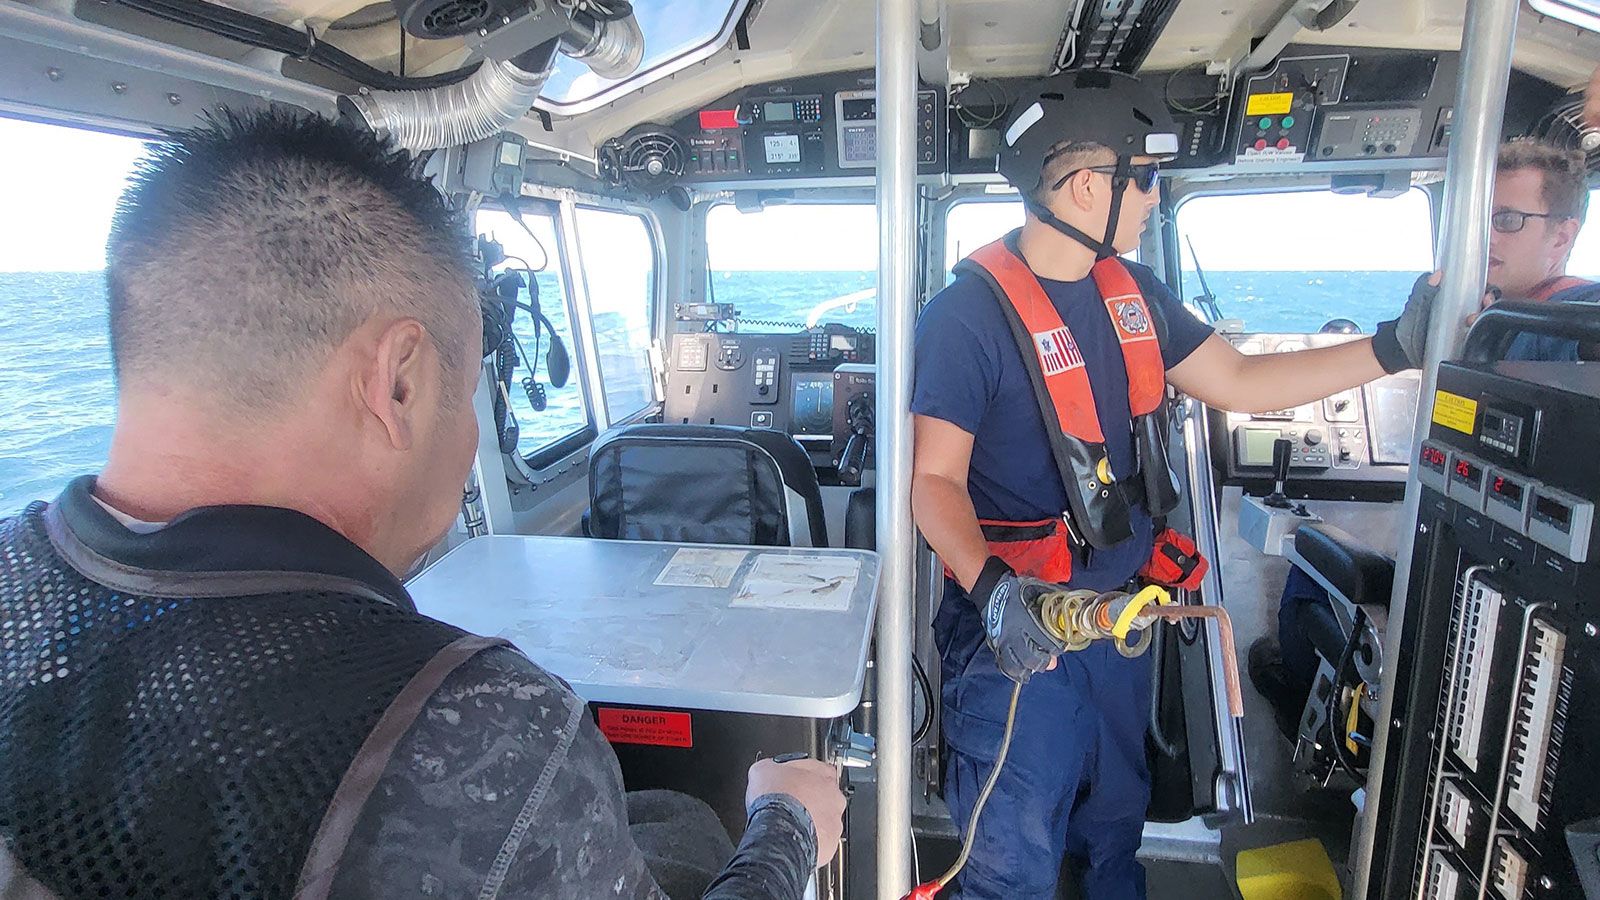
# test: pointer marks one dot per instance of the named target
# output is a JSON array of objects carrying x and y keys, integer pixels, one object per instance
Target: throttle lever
[{"x": 1282, "y": 448}]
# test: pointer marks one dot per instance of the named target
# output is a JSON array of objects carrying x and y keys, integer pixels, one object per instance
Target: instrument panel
[
  {"x": 1354, "y": 443},
  {"x": 805, "y": 127},
  {"x": 782, "y": 381}
]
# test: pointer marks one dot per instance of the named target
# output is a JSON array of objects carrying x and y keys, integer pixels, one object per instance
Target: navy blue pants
[
  {"x": 1300, "y": 592},
  {"x": 1075, "y": 781}
]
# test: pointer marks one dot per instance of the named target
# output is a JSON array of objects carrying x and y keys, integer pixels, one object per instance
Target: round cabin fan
[
  {"x": 1563, "y": 126},
  {"x": 651, "y": 158}
]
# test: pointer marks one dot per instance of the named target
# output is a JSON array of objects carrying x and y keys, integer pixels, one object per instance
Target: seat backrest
[{"x": 710, "y": 484}]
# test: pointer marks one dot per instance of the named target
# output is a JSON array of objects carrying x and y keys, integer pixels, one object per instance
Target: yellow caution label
[
  {"x": 1455, "y": 411},
  {"x": 1269, "y": 104}
]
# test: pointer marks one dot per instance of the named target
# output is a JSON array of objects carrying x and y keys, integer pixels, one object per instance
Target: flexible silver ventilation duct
[
  {"x": 493, "y": 97},
  {"x": 611, "y": 49},
  {"x": 500, "y": 92}
]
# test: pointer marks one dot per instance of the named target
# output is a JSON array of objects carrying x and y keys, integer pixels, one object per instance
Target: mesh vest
[{"x": 199, "y": 745}]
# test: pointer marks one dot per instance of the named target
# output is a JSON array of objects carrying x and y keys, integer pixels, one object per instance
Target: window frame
[
  {"x": 945, "y": 263},
  {"x": 664, "y": 69},
  {"x": 653, "y": 309},
  {"x": 530, "y": 465},
  {"x": 1179, "y": 198}
]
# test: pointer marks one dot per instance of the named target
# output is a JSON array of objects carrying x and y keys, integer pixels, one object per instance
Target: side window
[
  {"x": 804, "y": 265},
  {"x": 57, "y": 392},
  {"x": 619, "y": 268},
  {"x": 543, "y": 331},
  {"x": 1585, "y": 259},
  {"x": 1292, "y": 261},
  {"x": 973, "y": 223}
]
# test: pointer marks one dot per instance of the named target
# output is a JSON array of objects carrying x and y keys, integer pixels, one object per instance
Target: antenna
[{"x": 1206, "y": 300}]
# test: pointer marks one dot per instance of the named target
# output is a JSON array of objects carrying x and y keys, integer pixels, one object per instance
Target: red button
[
  {"x": 1261, "y": 144},
  {"x": 1283, "y": 143}
]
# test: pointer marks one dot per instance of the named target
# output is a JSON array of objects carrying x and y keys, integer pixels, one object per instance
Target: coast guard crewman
[{"x": 1041, "y": 377}]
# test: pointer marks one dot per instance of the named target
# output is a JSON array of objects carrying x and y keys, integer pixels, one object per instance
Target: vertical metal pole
[
  {"x": 897, "y": 536},
  {"x": 1463, "y": 255}
]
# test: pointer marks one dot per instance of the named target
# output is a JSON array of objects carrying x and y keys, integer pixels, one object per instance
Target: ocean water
[{"x": 58, "y": 403}]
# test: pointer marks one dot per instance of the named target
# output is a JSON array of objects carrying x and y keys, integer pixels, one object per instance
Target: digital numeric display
[
  {"x": 1505, "y": 489},
  {"x": 1433, "y": 458},
  {"x": 1553, "y": 511},
  {"x": 782, "y": 148},
  {"x": 1468, "y": 472}
]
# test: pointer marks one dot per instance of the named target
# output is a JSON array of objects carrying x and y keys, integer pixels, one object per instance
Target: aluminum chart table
[{"x": 766, "y": 630}]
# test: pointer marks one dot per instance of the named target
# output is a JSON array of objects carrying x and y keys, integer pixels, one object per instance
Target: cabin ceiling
[{"x": 790, "y": 38}]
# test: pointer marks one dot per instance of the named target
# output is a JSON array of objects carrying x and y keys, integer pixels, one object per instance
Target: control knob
[{"x": 1313, "y": 437}]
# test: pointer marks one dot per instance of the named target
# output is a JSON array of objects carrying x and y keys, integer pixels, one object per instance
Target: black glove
[
  {"x": 1011, "y": 620},
  {"x": 1399, "y": 344}
]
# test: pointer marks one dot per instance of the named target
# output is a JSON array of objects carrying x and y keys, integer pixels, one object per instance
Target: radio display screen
[
  {"x": 811, "y": 408},
  {"x": 857, "y": 110},
  {"x": 782, "y": 148},
  {"x": 778, "y": 112},
  {"x": 1258, "y": 446}
]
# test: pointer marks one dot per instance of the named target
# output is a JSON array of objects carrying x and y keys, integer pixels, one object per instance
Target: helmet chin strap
[{"x": 1102, "y": 248}]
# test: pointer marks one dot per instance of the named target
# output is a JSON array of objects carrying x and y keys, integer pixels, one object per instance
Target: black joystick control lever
[
  {"x": 1281, "y": 449},
  {"x": 862, "y": 418}
]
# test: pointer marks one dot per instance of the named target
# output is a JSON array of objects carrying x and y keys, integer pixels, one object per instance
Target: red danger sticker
[{"x": 646, "y": 726}]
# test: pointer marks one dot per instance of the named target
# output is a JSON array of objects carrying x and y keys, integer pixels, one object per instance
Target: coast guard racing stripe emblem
[{"x": 1058, "y": 352}]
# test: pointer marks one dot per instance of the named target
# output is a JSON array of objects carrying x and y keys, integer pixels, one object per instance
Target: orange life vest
[
  {"x": 1544, "y": 290},
  {"x": 1099, "y": 505}
]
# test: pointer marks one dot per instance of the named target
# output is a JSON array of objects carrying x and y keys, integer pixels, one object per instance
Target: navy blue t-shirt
[
  {"x": 1544, "y": 348},
  {"x": 969, "y": 372}
]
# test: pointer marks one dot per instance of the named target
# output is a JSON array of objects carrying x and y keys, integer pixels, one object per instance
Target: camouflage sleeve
[
  {"x": 776, "y": 857},
  {"x": 502, "y": 788}
]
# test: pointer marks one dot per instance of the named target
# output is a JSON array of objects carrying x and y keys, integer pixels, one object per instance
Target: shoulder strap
[
  {"x": 1136, "y": 333},
  {"x": 1076, "y": 442},
  {"x": 1054, "y": 353},
  {"x": 344, "y": 810}
]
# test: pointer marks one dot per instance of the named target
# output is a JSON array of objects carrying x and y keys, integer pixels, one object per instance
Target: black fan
[
  {"x": 1563, "y": 126},
  {"x": 652, "y": 158}
]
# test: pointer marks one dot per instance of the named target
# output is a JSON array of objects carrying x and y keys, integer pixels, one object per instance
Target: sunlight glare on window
[
  {"x": 1585, "y": 259},
  {"x": 619, "y": 270}
]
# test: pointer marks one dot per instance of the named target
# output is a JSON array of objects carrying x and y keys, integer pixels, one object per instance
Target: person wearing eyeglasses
[
  {"x": 1541, "y": 196},
  {"x": 1041, "y": 461}
]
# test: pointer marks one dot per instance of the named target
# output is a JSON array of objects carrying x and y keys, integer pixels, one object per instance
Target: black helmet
[
  {"x": 1112, "y": 109},
  {"x": 1098, "y": 106}
]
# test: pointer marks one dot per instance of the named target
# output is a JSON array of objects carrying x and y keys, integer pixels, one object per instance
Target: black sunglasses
[
  {"x": 1144, "y": 175},
  {"x": 1511, "y": 221}
]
